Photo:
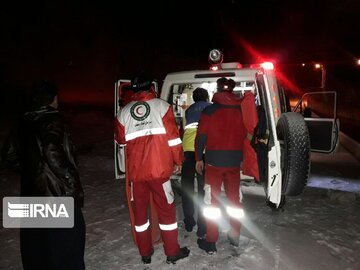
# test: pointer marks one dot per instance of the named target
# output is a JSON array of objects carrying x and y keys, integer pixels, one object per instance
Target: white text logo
[
  {"x": 38, "y": 212},
  {"x": 33, "y": 210}
]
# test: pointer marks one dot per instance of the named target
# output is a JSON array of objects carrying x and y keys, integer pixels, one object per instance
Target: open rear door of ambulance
[
  {"x": 319, "y": 112},
  {"x": 122, "y": 94}
]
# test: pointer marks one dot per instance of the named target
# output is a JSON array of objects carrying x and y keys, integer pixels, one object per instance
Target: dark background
[{"x": 86, "y": 46}]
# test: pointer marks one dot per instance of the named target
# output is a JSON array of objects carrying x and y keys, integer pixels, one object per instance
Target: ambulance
[{"x": 287, "y": 131}]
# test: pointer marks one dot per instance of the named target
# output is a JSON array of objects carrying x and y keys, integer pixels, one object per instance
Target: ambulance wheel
[{"x": 294, "y": 140}]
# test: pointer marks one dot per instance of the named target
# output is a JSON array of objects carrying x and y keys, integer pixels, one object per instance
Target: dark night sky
[{"x": 85, "y": 46}]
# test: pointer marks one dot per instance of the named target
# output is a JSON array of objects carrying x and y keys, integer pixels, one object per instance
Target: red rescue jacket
[
  {"x": 147, "y": 126},
  {"x": 221, "y": 132}
]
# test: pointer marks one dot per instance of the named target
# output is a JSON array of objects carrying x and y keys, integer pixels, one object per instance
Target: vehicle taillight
[{"x": 214, "y": 67}]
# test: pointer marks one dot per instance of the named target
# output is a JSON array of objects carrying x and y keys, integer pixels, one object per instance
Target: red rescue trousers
[
  {"x": 163, "y": 197},
  {"x": 214, "y": 177}
]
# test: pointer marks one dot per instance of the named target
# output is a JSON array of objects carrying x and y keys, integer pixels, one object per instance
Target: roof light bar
[
  {"x": 264, "y": 65},
  {"x": 214, "y": 67},
  {"x": 267, "y": 65},
  {"x": 231, "y": 65}
]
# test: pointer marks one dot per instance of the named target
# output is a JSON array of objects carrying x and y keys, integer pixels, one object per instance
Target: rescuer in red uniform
[
  {"x": 153, "y": 152},
  {"x": 221, "y": 134}
]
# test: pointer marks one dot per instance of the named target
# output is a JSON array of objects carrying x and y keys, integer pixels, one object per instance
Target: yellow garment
[{"x": 188, "y": 140}]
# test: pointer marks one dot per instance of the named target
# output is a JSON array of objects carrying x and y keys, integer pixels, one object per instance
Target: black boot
[
  {"x": 147, "y": 259},
  {"x": 189, "y": 224},
  {"x": 201, "y": 232},
  {"x": 183, "y": 253},
  {"x": 209, "y": 247},
  {"x": 233, "y": 241}
]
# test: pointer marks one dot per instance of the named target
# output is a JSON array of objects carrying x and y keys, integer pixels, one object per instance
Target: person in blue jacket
[{"x": 188, "y": 173}]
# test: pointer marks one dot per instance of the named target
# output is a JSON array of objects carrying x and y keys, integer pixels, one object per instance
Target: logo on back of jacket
[{"x": 140, "y": 111}]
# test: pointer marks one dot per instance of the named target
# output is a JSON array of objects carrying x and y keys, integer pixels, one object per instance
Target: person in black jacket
[{"x": 48, "y": 169}]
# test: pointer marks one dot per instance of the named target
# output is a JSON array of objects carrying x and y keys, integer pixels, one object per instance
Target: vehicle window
[
  {"x": 243, "y": 86},
  {"x": 259, "y": 98},
  {"x": 263, "y": 108},
  {"x": 317, "y": 105},
  {"x": 180, "y": 95},
  {"x": 284, "y": 100}
]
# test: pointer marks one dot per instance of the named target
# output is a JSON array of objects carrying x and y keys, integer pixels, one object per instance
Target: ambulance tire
[{"x": 294, "y": 140}]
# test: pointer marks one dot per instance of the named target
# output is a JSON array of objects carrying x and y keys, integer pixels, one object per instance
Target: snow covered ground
[{"x": 318, "y": 230}]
